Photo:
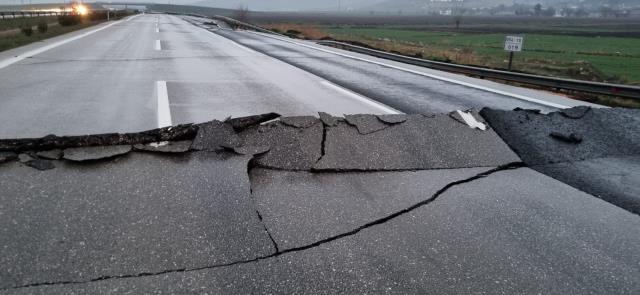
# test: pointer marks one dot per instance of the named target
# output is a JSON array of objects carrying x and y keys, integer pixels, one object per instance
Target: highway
[
  {"x": 150, "y": 71},
  {"x": 492, "y": 202}
]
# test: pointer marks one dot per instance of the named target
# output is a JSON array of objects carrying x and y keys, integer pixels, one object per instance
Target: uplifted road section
[{"x": 402, "y": 204}]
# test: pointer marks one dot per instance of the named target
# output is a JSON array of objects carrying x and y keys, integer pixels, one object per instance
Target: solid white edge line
[
  {"x": 158, "y": 45},
  {"x": 505, "y": 93},
  {"x": 361, "y": 98},
  {"x": 164, "y": 111},
  {"x": 7, "y": 62}
]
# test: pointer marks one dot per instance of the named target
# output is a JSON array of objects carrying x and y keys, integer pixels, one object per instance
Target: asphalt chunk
[
  {"x": 366, "y": 124},
  {"x": 393, "y": 118},
  {"x": 215, "y": 136},
  {"x": 242, "y": 123},
  {"x": 300, "y": 121},
  {"x": 55, "y": 154},
  {"x": 165, "y": 147},
  {"x": 419, "y": 143},
  {"x": 40, "y": 164},
  {"x": 49, "y": 142},
  {"x": 328, "y": 119},
  {"x": 568, "y": 138},
  {"x": 291, "y": 148},
  {"x": 604, "y": 133},
  {"x": 95, "y": 152},
  {"x": 23, "y": 158}
]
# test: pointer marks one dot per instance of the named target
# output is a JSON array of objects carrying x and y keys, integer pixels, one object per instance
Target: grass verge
[{"x": 16, "y": 39}]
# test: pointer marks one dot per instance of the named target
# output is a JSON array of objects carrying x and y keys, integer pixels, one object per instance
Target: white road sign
[{"x": 513, "y": 43}]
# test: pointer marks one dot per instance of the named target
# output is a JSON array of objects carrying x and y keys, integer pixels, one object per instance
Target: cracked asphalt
[
  {"x": 247, "y": 210},
  {"x": 315, "y": 202}
]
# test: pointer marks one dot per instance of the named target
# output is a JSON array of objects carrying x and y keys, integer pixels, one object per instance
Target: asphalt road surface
[{"x": 155, "y": 70}]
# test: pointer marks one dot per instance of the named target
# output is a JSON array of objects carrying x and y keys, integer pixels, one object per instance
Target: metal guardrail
[{"x": 619, "y": 90}]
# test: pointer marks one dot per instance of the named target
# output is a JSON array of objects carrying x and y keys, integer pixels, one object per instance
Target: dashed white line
[
  {"x": 15, "y": 59},
  {"x": 164, "y": 112},
  {"x": 488, "y": 89},
  {"x": 158, "y": 45},
  {"x": 361, "y": 98},
  {"x": 157, "y": 30}
]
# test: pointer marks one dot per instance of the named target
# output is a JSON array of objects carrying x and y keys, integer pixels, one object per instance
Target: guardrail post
[{"x": 510, "y": 59}]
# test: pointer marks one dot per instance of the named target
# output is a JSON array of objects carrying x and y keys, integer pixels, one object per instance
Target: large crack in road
[{"x": 355, "y": 231}]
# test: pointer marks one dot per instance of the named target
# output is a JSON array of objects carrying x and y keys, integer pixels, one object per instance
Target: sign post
[{"x": 513, "y": 44}]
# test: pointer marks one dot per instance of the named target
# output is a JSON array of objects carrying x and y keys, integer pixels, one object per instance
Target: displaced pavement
[{"x": 267, "y": 206}]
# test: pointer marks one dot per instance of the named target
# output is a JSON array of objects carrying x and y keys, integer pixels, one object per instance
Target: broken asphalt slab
[
  {"x": 512, "y": 232},
  {"x": 148, "y": 213},
  {"x": 421, "y": 142},
  {"x": 94, "y": 153},
  {"x": 595, "y": 150},
  {"x": 291, "y": 148}
]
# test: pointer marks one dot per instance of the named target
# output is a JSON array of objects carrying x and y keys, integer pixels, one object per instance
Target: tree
[
  {"x": 457, "y": 10},
  {"x": 537, "y": 10},
  {"x": 241, "y": 13}
]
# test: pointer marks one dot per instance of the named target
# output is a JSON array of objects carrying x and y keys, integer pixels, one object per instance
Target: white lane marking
[
  {"x": 164, "y": 112},
  {"x": 157, "y": 30},
  {"x": 361, "y": 98},
  {"x": 7, "y": 62},
  {"x": 471, "y": 120},
  {"x": 158, "y": 46},
  {"x": 505, "y": 93}
]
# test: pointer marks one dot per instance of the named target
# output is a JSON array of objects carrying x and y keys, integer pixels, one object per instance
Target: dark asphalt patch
[
  {"x": 615, "y": 179},
  {"x": 603, "y": 133},
  {"x": 437, "y": 142},
  {"x": 581, "y": 146}
]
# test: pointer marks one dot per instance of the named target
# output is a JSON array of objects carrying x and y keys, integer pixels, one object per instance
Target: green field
[
  {"x": 14, "y": 23},
  {"x": 615, "y": 59}
]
